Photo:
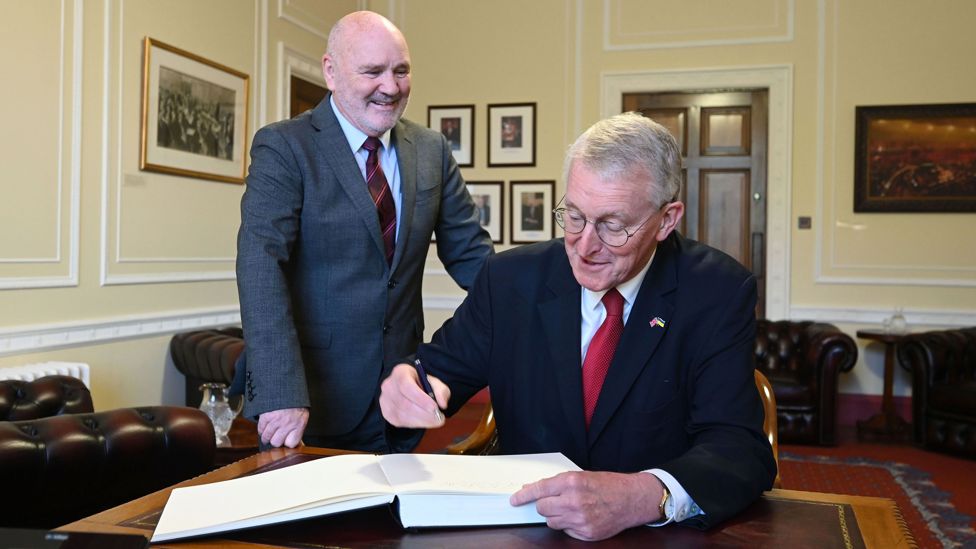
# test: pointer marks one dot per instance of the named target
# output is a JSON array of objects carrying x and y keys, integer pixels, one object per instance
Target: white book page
[
  {"x": 220, "y": 505},
  {"x": 448, "y": 474}
]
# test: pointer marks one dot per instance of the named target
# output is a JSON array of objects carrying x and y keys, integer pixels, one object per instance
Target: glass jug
[{"x": 217, "y": 407}]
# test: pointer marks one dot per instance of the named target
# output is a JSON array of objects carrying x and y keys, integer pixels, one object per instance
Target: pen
[{"x": 425, "y": 384}]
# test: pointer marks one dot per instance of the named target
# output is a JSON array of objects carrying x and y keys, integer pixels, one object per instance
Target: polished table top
[{"x": 780, "y": 517}]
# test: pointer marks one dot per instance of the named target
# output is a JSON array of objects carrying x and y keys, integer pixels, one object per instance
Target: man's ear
[
  {"x": 328, "y": 70},
  {"x": 673, "y": 213}
]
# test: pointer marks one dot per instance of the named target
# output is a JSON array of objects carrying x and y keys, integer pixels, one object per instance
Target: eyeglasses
[{"x": 611, "y": 233}]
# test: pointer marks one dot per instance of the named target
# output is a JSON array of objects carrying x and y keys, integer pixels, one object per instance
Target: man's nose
[
  {"x": 589, "y": 241},
  {"x": 388, "y": 84}
]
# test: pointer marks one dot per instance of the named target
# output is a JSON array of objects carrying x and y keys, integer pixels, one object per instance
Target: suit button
[
  {"x": 386, "y": 328},
  {"x": 391, "y": 284}
]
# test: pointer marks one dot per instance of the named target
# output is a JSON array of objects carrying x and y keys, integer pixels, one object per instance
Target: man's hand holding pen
[{"x": 405, "y": 403}]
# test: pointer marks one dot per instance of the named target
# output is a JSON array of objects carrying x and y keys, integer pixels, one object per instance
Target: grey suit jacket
[{"x": 325, "y": 317}]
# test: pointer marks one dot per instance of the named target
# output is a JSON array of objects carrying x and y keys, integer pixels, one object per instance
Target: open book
[{"x": 432, "y": 490}]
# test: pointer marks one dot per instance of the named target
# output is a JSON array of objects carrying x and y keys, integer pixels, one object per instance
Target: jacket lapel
[
  {"x": 407, "y": 161},
  {"x": 560, "y": 317},
  {"x": 640, "y": 338},
  {"x": 335, "y": 150}
]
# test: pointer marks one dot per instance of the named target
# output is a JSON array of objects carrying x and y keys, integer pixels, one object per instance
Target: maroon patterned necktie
[
  {"x": 380, "y": 191},
  {"x": 600, "y": 352}
]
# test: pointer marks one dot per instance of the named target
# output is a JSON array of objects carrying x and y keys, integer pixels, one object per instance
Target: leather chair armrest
[
  {"x": 59, "y": 469},
  {"x": 43, "y": 397},
  {"x": 830, "y": 349},
  {"x": 482, "y": 441}
]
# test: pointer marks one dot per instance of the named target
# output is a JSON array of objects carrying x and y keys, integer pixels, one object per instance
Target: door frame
[{"x": 778, "y": 80}]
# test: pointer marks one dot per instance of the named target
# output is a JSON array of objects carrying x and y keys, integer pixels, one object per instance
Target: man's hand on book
[
  {"x": 283, "y": 427},
  {"x": 591, "y": 505},
  {"x": 405, "y": 404}
]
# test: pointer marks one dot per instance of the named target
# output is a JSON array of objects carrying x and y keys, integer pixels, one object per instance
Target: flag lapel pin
[{"x": 657, "y": 322}]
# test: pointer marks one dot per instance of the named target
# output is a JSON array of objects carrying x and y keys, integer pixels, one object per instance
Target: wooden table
[
  {"x": 780, "y": 517},
  {"x": 886, "y": 424}
]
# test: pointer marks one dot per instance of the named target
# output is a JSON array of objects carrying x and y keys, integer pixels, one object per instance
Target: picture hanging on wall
[
  {"x": 915, "y": 158},
  {"x": 194, "y": 115},
  {"x": 511, "y": 134},
  {"x": 456, "y": 124},
  {"x": 489, "y": 199},
  {"x": 530, "y": 210}
]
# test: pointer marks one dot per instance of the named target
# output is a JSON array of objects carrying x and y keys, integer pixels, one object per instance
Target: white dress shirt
[{"x": 593, "y": 313}]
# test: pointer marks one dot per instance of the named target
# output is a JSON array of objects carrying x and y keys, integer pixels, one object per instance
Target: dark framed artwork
[
  {"x": 489, "y": 199},
  {"x": 530, "y": 210},
  {"x": 456, "y": 124},
  {"x": 915, "y": 158},
  {"x": 511, "y": 134},
  {"x": 194, "y": 115}
]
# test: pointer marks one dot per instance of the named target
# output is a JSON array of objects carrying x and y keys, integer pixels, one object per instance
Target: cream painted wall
[{"x": 100, "y": 262}]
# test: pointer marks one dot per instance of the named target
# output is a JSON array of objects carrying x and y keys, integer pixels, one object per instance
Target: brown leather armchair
[
  {"x": 55, "y": 469},
  {"x": 802, "y": 360},
  {"x": 206, "y": 356},
  {"x": 943, "y": 367}
]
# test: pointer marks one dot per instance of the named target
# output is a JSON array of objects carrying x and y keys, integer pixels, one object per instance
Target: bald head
[
  {"x": 356, "y": 24},
  {"x": 367, "y": 67}
]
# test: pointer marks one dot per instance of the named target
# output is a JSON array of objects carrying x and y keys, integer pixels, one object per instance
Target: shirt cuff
[{"x": 680, "y": 506}]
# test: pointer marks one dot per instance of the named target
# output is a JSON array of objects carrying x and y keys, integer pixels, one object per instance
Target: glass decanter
[{"x": 217, "y": 407}]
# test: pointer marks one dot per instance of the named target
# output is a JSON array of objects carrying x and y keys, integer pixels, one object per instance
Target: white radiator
[{"x": 30, "y": 372}]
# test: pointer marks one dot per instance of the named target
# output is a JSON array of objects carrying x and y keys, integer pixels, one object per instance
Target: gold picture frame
[{"x": 198, "y": 111}]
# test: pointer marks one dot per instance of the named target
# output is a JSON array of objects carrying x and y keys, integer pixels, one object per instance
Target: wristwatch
[{"x": 662, "y": 507}]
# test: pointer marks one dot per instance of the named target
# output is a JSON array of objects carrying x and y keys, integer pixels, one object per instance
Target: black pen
[{"x": 425, "y": 384}]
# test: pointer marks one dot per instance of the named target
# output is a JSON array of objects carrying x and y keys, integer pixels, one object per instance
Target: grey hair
[{"x": 634, "y": 144}]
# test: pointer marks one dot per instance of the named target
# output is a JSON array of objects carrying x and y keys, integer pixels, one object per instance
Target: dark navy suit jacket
[{"x": 680, "y": 397}]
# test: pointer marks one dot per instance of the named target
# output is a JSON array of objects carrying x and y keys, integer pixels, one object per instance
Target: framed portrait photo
[
  {"x": 915, "y": 158},
  {"x": 489, "y": 199},
  {"x": 194, "y": 115},
  {"x": 530, "y": 210},
  {"x": 456, "y": 124},
  {"x": 511, "y": 134}
]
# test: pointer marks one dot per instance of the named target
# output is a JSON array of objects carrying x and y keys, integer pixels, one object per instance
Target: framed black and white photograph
[
  {"x": 489, "y": 198},
  {"x": 530, "y": 210},
  {"x": 511, "y": 134},
  {"x": 194, "y": 115},
  {"x": 456, "y": 124}
]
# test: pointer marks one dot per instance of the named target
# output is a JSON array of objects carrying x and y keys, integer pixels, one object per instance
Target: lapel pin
[{"x": 657, "y": 322}]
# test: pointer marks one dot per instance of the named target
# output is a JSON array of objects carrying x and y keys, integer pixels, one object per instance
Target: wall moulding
[
  {"x": 60, "y": 268},
  {"x": 708, "y": 29},
  {"x": 47, "y": 337}
]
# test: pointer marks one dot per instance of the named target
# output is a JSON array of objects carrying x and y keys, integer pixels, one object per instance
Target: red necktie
[
  {"x": 600, "y": 352},
  {"x": 380, "y": 191}
]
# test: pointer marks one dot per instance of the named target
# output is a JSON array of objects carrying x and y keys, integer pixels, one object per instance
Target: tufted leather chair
[
  {"x": 943, "y": 367},
  {"x": 802, "y": 360},
  {"x": 47, "y": 396},
  {"x": 61, "y": 468},
  {"x": 206, "y": 356}
]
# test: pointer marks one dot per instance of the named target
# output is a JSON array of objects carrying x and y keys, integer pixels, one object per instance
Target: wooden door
[
  {"x": 304, "y": 95},
  {"x": 722, "y": 136}
]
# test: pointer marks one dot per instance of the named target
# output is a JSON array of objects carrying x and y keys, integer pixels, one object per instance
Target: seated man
[{"x": 626, "y": 347}]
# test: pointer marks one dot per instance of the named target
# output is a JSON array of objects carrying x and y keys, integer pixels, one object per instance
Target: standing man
[
  {"x": 336, "y": 221},
  {"x": 626, "y": 347}
]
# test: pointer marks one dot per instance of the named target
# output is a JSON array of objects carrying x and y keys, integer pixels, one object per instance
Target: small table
[{"x": 886, "y": 424}]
